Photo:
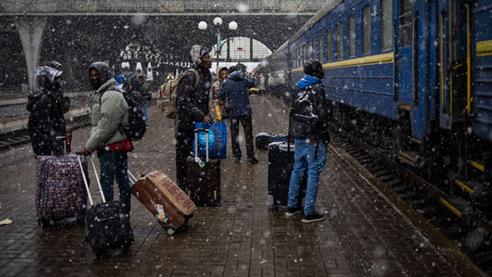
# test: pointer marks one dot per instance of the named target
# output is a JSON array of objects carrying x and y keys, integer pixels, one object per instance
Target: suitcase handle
[
  {"x": 131, "y": 177},
  {"x": 85, "y": 181},
  {"x": 97, "y": 180},
  {"x": 206, "y": 143}
]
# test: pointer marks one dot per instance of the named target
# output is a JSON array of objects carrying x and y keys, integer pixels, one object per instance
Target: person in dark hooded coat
[
  {"x": 46, "y": 106},
  {"x": 234, "y": 95},
  {"x": 109, "y": 113},
  {"x": 192, "y": 104}
]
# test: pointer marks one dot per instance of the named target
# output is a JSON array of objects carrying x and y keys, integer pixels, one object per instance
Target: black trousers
[
  {"x": 247, "y": 123},
  {"x": 184, "y": 144}
]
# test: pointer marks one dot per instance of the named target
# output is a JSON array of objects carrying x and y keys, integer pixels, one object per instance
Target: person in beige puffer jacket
[{"x": 109, "y": 112}]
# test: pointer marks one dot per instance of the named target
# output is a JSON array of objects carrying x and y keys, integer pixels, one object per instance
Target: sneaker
[
  {"x": 252, "y": 160},
  {"x": 292, "y": 212},
  {"x": 237, "y": 160},
  {"x": 314, "y": 217}
]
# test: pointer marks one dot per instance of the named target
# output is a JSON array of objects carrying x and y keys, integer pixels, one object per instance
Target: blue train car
[{"x": 416, "y": 72}]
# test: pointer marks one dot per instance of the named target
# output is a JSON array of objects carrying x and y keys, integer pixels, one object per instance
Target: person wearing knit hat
[{"x": 192, "y": 106}]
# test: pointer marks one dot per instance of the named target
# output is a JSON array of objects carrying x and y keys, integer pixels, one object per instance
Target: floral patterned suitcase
[{"x": 60, "y": 191}]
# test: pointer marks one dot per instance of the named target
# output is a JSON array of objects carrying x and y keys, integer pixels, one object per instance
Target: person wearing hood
[
  {"x": 192, "y": 106},
  {"x": 46, "y": 106},
  {"x": 234, "y": 95},
  {"x": 309, "y": 126},
  {"x": 109, "y": 112}
]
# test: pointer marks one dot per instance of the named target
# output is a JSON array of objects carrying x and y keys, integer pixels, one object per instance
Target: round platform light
[
  {"x": 233, "y": 25},
  {"x": 217, "y": 21},
  {"x": 202, "y": 25}
]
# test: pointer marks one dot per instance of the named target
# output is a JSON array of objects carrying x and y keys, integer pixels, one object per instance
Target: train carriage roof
[{"x": 322, "y": 12}]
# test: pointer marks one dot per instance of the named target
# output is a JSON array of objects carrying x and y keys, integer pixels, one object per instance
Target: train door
[
  {"x": 453, "y": 64},
  {"x": 405, "y": 52}
]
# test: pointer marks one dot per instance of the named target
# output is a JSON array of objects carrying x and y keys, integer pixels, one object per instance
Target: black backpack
[
  {"x": 304, "y": 113},
  {"x": 137, "y": 126}
]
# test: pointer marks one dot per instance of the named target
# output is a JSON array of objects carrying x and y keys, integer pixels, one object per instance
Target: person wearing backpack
[
  {"x": 309, "y": 127},
  {"x": 192, "y": 101},
  {"x": 109, "y": 119},
  {"x": 46, "y": 106}
]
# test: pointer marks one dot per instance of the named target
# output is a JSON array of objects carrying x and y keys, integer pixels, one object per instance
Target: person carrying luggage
[
  {"x": 309, "y": 127},
  {"x": 108, "y": 117},
  {"x": 234, "y": 95},
  {"x": 192, "y": 106},
  {"x": 46, "y": 106}
]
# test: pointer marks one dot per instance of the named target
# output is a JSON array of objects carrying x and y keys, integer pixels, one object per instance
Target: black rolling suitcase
[
  {"x": 280, "y": 164},
  {"x": 108, "y": 226},
  {"x": 203, "y": 177}
]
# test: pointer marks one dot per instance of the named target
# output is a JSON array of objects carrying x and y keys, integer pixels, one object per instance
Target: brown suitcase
[
  {"x": 164, "y": 199},
  {"x": 203, "y": 179}
]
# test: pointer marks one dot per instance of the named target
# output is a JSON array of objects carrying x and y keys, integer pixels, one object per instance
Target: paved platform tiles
[{"x": 363, "y": 235}]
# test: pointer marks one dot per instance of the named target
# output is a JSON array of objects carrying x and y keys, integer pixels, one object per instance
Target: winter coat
[
  {"x": 107, "y": 117},
  {"x": 193, "y": 102},
  {"x": 46, "y": 121},
  {"x": 234, "y": 94},
  {"x": 302, "y": 127}
]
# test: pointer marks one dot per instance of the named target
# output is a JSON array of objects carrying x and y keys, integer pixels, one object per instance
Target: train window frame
[
  {"x": 366, "y": 30},
  {"x": 352, "y": 35},
  {"x": 386, "y": 25},
  {"x": 329, "y": 46},
  {"x": 339, "y": 41}
]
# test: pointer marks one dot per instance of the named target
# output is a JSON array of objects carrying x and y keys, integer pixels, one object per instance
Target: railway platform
[{"x": 363, "y": 235}]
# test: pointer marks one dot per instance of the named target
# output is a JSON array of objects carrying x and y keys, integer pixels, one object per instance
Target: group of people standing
[{"x": 198, "y": 100}]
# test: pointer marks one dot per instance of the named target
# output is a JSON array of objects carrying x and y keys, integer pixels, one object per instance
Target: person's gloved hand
[{"x": 84, "y": 152}]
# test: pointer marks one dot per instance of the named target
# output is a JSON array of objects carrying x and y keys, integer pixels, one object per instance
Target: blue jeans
[
  {"x": 305, "y": 159},
  {"x": 145, "y": 111},
  {"x": 115, "y": 166}
]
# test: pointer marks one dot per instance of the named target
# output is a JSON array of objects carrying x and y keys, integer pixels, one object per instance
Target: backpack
[
  {"x": 304, "y": 113},
  {"x": 137, "y": 126},
  {"x": 171, "y": 90}
]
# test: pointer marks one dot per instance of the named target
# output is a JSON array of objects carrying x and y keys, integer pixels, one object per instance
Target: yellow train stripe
[
  {"x": 477, "y": 165},
  {"x": 450, "y": 207},
  {"x": 369, "y": 60},
  {"x": 464, "y": 186},
  {"x": 484, "y": 48}
]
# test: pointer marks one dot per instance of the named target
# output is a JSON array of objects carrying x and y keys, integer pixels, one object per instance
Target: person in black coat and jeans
[
  {"x": 234, "y": 94},
  {"x": 46, "y": 106},
  {"x": 192, "y": 106}
]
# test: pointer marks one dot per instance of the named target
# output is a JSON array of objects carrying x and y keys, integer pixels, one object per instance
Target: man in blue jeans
[
  {"x": 309, "y": 127},
  {"x": 109, "y": 111}
]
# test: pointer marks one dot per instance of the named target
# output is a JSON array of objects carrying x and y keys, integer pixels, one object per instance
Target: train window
[
  {"x": 405, "y": 23},
  {"x": 340, "y": 41},
  {"x": 329, "y": 46},
  {"x": 352, "y": 36},
  {"x": 366, "y": 30},
  {"x": 320, "y": 47},
  {"x": 387, "y": 24}
]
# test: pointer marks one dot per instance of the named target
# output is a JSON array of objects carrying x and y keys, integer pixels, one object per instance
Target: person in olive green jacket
[{"x": 109, "y": 112}]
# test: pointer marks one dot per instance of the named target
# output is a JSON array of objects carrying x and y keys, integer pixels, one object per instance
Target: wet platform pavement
[{"x": 363, "y": 235}]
